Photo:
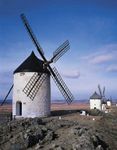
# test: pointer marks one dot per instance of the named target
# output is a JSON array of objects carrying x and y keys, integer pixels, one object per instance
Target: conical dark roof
[
  {"x": 95, "y": 96},
  {"x": 32, "y": 64}
]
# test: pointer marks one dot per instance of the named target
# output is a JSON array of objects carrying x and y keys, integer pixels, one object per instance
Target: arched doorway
[{"x": 18, "y": 108}]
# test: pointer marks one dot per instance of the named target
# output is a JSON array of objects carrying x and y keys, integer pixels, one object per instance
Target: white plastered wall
[
  {"x": 103, "y": 107},
  {"x": 108, "y": 103},
  {"x": 95, "y": 103},
  {"x": 38, "y": 107}
]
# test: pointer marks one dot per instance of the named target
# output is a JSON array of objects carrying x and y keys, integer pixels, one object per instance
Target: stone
[
  {"x": 59, "y": 148},
  {"x": 99, "y": 147},
  {"x": 81, "y": 131},
  {"x": 37, "y": 146},
  {"x": 49, "y": 136}
]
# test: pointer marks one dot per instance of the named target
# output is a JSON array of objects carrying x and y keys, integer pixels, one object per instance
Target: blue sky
[{"x": 89, "y": 25}]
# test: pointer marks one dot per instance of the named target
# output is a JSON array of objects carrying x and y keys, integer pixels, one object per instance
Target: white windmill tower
[
  {"x": 109, "y": 102},
  {"x": 31, "y": 89},
  {"x": 95, "y": 101},
  {"x": 29, "y": 101}
]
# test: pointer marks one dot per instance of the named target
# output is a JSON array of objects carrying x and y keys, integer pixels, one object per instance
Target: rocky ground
[
  {"x": 69, "y": 131},
  {"x": 50, "y": 133}
]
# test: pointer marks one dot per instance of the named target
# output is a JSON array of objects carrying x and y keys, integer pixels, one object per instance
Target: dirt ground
[
  {"x": 73, "y": 106},
  {"x": 54, "y": 106}
]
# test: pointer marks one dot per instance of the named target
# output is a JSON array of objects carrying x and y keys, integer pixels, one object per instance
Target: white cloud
[
  {"x": 104, "y": 54},
  {"x": 101, "y": 59},
  {"x": 71, "y": 74},
  {"x": 112, "y": 68}
]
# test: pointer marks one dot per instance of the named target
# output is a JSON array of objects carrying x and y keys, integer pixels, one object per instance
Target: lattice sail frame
[
  {"x": 60, "y": 51},
  {"x": 64, "y": 89},
  {"x": 34, "y": 84}
]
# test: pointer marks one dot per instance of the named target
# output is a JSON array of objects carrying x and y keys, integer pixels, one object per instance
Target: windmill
[
  {"x": 36, "y": 81},
  {"x": 31, "y": 89}
]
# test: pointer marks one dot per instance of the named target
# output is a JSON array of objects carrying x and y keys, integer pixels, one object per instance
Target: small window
[{"x": 22, "y": 74}]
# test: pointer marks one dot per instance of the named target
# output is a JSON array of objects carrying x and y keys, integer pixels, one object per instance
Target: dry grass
[
  {"x": 6, "y": 108},
  {"x": 54, "y": 106},
  {"x": 73, "y": 106}
]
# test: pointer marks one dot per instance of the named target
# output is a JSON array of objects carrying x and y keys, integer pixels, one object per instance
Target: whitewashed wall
[
  {"x": 40, "y": 106},
  {"x": 103, "y": 107},
  {"x": 109, "y": 103},
  {"x": 95, "y": 103}
]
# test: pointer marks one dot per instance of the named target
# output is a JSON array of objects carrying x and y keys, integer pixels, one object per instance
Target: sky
[{"x": 89, "y": 25}]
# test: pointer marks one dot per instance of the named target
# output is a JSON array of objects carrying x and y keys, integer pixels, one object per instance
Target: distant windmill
[{"x": 38, "y": 82}]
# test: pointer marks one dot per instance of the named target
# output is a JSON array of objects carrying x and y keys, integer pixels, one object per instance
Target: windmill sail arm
[
  {"x": 104, "y": 91},
  {"x": 100, "y": 90},
  {"x": 61, "y": 85},
  {"x": 7, "y": 95},
  {"x": 61, "y": 50},
  {"x": 32, "y": 36}
]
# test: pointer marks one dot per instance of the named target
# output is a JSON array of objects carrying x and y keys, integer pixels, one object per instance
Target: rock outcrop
[{"x": 49, "y": 134}]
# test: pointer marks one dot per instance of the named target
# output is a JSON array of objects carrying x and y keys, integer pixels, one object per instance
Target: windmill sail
[
  {"x": 34, "y": 84},
  {"x": 61, "y": 50},
  {"x": 100, "y": 90},
  {"x": 31, "y": 34},
  {"x": 62, "y": 86},
  {"x": 104, "y": 91}
]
